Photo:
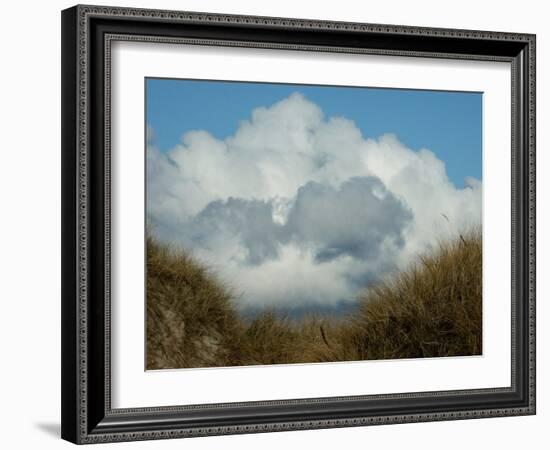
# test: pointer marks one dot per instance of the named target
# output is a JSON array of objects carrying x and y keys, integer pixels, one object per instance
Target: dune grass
[
  {"x": 191, "y": 321},
  {"x": 432, "y": 309}
]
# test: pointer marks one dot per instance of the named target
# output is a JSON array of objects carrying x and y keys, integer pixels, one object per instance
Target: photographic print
[
  {"x": 294, "y": 223},
  {"x": 310, "y": 201}
]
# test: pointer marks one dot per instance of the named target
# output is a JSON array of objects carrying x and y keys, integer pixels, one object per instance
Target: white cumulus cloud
[{"x": 297, "y": 209}]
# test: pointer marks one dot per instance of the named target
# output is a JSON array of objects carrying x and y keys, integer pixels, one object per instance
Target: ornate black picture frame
[{"x": 87, "y": 34}]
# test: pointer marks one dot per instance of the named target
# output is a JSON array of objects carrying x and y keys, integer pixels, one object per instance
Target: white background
[{"x": 30, "y": 190}]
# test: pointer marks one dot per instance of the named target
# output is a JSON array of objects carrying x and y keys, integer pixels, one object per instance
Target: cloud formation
[
  {"x": 296, "y": 210},
  {"x": 354, "y": 219}
]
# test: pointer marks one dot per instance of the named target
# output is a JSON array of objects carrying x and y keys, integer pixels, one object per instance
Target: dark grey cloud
[
  {"x": 353, "y": 220},
  {"x": 249, "y": 220}
]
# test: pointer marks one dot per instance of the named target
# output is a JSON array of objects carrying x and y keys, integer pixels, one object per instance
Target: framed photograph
[{"x": 278, "y": 224}]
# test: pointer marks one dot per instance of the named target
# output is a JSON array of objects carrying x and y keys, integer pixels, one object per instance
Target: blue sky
[{"x": 447, "y": 123}]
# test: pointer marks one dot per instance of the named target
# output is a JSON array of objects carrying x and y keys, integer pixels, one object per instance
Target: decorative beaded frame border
[{"x": 84, "y": 14}]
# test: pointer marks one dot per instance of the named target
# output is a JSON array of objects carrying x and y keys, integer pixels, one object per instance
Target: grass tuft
[
  {"x": 432, "y": 309},
  {"x": 191, "y": 321}
]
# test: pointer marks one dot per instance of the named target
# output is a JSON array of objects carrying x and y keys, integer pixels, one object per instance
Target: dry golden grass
[
  {"x": 432, "y": 309},
  {"x": 190, "y": 319}
]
